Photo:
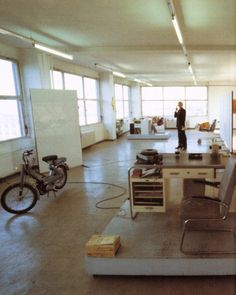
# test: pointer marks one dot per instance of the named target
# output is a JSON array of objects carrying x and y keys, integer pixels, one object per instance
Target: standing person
[{"x": 180, "y": 115}]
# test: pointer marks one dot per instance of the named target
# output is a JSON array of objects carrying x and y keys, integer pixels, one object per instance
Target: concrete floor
[{"x": 42, "y": 252}]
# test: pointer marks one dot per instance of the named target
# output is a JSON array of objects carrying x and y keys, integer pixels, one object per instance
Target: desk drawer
[{"x": 188, "y": 173}]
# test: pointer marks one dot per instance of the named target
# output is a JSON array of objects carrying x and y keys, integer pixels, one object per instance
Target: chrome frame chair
[
  {"x": 211, "y": 128},
  {"x": 194, "y": 217}
]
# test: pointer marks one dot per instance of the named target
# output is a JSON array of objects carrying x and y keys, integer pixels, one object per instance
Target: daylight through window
[
  {"x": 87, "y": 94},
  {"x": 161, "y": 101},
  {"x": 11, "y": 118}
]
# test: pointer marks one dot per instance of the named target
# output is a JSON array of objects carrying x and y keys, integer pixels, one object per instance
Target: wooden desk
[{"x": 148, "y": 194}]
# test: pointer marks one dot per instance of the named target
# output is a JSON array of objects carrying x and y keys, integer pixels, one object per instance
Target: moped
[{"x": 20, "y": 197}]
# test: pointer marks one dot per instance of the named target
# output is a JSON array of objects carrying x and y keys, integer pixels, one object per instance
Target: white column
[
  {"x": 135, "y": 101},
  {"x": 36, "y": 68},
  {"x": 108, "y": 105}
]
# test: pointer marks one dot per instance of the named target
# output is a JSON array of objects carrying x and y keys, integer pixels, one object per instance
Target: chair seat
[{"x": 195, "y": 208}]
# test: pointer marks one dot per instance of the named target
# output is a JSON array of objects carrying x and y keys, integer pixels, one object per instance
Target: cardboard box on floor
[{"x": 103, "y": 245}]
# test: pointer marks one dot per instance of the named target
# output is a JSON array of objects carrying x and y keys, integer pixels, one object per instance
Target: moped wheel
[
  {"x": 15, "y": 203},
  {"x": 62, "y": 181}
]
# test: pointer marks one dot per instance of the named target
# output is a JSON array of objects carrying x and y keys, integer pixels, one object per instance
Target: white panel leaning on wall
[{"x": 57, "y": 131}]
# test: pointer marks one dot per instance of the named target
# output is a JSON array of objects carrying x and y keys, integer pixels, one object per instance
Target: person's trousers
[{"x": 182, "y": 139}]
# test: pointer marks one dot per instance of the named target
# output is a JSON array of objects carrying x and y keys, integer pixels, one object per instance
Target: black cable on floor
[{"x": 107, "y": 199}]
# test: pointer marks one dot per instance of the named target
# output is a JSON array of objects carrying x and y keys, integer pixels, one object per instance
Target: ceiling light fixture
[
  {"x": 138, "y": 81},
  {"x": 9, "y": 33},
  {"x": 148, "y": 84},
  {"x": 53, "y": 51},
  {"x": 175, "y": 21},
  {"x": 118, "y": 74},
  {"x": 194, "y": 80},
  {"x": 190, "y": 68},
  {"x": 179, "y": 35},
  {"x": 35, "y": 44},
  {"x": 102, "y": 67},
  {"x": 142, "y": 82},
  {"x": 177, "y": 29},
  {"x": 109, "y": 69},
  {"x": 192, "y": 73}
]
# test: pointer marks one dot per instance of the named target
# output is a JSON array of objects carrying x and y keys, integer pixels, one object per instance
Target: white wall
[
  {"x": 92, "y": 134},
  {"x": 227, "y": 123},
  {"x": 220, "y": 108},
  {"x": 217, "y": 95}
]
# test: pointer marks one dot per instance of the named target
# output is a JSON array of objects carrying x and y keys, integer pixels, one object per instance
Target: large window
[
  {"x": 196, "y": 101},
  {"x": 161, "y": 101},
  {"x": 57, "y": 80},
  {"x": 122, "y": 93},
  {"x": 152, "y": 102},
  {"x": 87, "y": 94},
  {"x": 171, "y": 96},
  {"x": 11, "y": 119}
]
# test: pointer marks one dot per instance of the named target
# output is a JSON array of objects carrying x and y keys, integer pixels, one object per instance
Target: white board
[{"x": 56, "y": 125}]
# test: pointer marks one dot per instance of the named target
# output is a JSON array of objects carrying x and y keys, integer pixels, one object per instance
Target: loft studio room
[{"x": 92, "y": 87}]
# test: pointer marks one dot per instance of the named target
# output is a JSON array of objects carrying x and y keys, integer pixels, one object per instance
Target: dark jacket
[{"x": 180, "y": 115}]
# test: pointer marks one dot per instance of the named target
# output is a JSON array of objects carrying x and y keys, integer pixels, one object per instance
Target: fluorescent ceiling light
[
  {"x": 9, "y": 33},
  {"x": 53, "y": 51},
  {"x": 194, "y": 80},
  {"x": 190, "y": 68},
  {"x": 36, "y": 45},
  {"x": 109, "y": 69},
  {"x": 143, "y": 82},
  {"x": 119, "y": 74},
  {"x": 105, "y": 68},
  {"x": 177, "y": 29}
]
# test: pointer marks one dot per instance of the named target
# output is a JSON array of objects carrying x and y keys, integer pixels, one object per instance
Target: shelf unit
[
  {"x": 119, "y": 127},
  {"x": 146, "y": 194}
]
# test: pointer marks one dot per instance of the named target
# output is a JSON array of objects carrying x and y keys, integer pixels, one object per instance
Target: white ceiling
[{"x": 135, "y": 37}]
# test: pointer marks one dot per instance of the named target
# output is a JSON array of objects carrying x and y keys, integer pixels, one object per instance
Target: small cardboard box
[{"x": 103, "y": 245}]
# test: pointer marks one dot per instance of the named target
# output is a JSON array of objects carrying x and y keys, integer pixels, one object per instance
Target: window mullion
[
  {"x": 16, "y": 79},
  {"x": 84, "y": 102}
]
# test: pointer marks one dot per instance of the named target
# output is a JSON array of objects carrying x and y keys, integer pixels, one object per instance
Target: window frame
[
  {"x": 123, "y": 100},
  {"x": 185, "y": 101},
  {"x": 82, "y": 99},
  {"x": 18, "y": 98}
]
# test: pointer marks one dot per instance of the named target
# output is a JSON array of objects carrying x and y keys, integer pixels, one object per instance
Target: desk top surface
[{"x": 183, "y": 161}]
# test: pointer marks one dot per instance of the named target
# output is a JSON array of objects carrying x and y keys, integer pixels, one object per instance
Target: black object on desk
[
  {"x": 149, "y": 156},
  {"x": 195, "y": 156}
]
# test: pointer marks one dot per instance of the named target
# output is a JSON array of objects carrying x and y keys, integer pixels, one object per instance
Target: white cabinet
[
  {"x": 146, "y": 194},
  {"x": 147, "y": 185},
  {"x": 143, "y": 126}
]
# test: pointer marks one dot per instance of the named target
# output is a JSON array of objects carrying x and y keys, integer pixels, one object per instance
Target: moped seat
[{"x": 49, "y": 158}]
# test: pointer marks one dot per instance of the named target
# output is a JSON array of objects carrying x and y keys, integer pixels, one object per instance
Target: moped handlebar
[{"x": 26, "y": 154}]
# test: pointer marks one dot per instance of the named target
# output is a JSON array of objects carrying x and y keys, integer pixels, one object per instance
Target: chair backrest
[
  {"x": 213, "y": 126},
  {"x": 228, "y": 181}
]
